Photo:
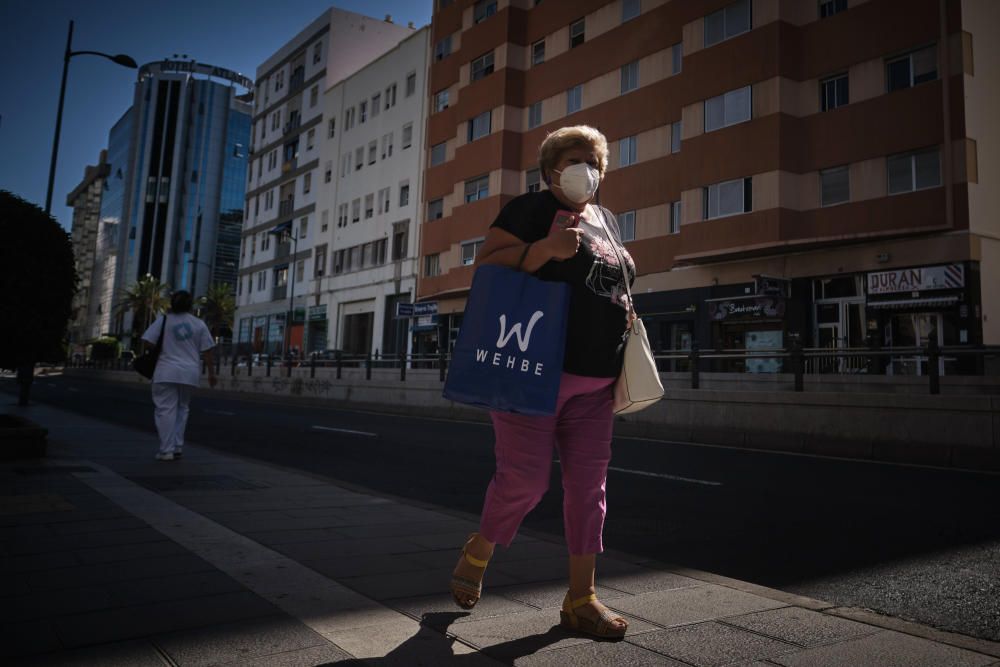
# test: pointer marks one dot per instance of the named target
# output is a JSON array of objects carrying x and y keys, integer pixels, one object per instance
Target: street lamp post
[
  {"x": 121, "y": 59},
  {"x": 277, "y": 231}
]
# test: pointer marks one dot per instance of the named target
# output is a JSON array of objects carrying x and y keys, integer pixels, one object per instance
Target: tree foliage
[
  {"x": 37, "y": 279},
  {"x": 218, "y": 308},
  {"x": 147, "y": 298}
]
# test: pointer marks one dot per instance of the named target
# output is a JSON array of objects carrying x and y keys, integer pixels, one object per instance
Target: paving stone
[
  {"x": 802, "y": 626},
  {"x": 712, "y": 644},
  {"x": 125, "y": 552},
  {"x": 885, "y": 649},
  {"x": 95, "y": 526},
  {"x": 407, "y": 644},
  {"x": 237, "y": 642},
  {"x": 87, "y": 540},
  {"x": 690, "y": 605},
  {"x": 273, "y": 538},
  {"x": 408, "y": 584},
  {"x": 102, "y": 573},
  {"x": 598, "y": 654},
  {"x": 356, "y": 566},
  {"x": 140, "y": 621},
  {"x": 515, "y": 635},
  {"x": 38, "y": 562},
  {"x": 172, "y": 587},
  {"x": 327, "y": 654},
  {"x": 138, "y": 653},
  {"x": 646, "y": 581},
  {"x": 27, "y": 638},
  {"x": 44, "y": 605},
  {"x": 548, "y": 594},
  {"x": 442, "y": 607},
  {"x": 406, "y": 529},
  {"x": 346, "y": 547}
]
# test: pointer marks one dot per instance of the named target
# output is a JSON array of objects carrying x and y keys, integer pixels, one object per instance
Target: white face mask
[{"x": 578, "y": 182}]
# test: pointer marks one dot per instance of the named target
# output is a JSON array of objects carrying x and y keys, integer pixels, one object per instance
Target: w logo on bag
[{"x": 522, "y": 341}]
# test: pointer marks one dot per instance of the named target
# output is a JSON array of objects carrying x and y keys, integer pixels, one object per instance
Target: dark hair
[{"x": 181, "y": 302}]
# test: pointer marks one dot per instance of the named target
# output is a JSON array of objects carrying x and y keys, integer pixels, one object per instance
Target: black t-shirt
[{"x": 598, "y": 301}]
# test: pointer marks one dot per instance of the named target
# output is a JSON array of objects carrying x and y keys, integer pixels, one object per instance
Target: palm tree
[
  {"x": 146, "y": 298},
  {"x": 218, "y": 308}
]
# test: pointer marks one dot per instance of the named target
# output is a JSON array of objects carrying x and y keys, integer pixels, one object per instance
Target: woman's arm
[{"x": 504, "y": 249}]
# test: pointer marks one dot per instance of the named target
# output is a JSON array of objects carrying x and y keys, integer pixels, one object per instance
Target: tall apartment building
[
  {"x": 815, "y": 170},
  {"x": 187, "y": 164},
  {"x": 85, "y": 199},
  {"x": 283, "y": 235}
]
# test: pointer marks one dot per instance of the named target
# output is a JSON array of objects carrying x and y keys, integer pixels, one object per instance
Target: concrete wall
[{"x": 947, "y": 430}]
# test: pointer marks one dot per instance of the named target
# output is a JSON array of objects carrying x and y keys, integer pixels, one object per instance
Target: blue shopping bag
[{"x": 509, "y": 352}]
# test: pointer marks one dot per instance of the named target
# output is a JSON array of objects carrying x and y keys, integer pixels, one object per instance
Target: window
[
  {"x": 342, "y": 216},
  {"x": 469, "y": 251},
  {"x": 438, "y": 153},
  {"x": 729, "y": 109},
  {"x": 676, "y": 58},
  {"x": 300, "y": 270},
  {"x": 574, "y": 99},
  {"x": 831, "y": 7},
  {"x": 310, "y": 139},
  {"x": 630, "y": 10},
  {"x": 727, "y": 22},
  {"x": 262, "y": 281},
  {"x": 338, "y": 261},
  {"x": 914, "y": 171},
  {"x": 441, "y": 101},
  {"x": 390, "y": 96},
  {"x": 265, "y": 241},
  {"x": 435, "y": 209},
  {"x": 313, "y": 96},
  {"x": 276, "y": 120},
  {"x": 407, "y": 135},
  {"x": 626, "y": 223},
  {"x": 372, "y": 151},
  {"x": 534, "y": 115},
  {"x": 319, "y": 262},
  {"x": 911, "y": 69},
  {"x": 482, "y": 66},
  {"x": 369, "y": 206},
  {"x": 432, "y": 265},
  {"x": 303, "y": 227},
  {"x": 533, "y": 180},
  {"x": 307, "y": 180},
  {"x": 630, "y": 77},
  {"x": 380, "y": 251},
  {"x": 387, "y": 145},
  {"x": 675, "y": 137},
  {"x": 479, "y": 126},
  {"x": 353, "y": 258},
  {"x": 356, "y": 210},
  {"x": 675, "y": 217},
  {"x": 834, "y": 185},
  {"x": 483, "y": 10},
  {"x": 345, "y": 165},
  {"x": 317, "y": 52},
  {"x": 833, "y": 92},
  {"x": 359, "y": 159},
  {"x": 400, "y": 232},
  {"x": 411, "y": 84},
  {"x": 383, "y": 200},
  {"x": 324, "y": 221},
  {"x": 626, "y": 151},
  {"x": 477, "y": 188},
  {"x": 376, "y": 104},
  {"x": 538, "y": 53},
  {"x": 349, "y": 118},
  {"x": 363, "y": 111},
  {"x": 576, "y": 33},
  {"x": 331, "y": 128},
  {"x": 404, "y": 194},
  {"x": 728, "y": 198},
  {"x": 442, "y": 48},
  {"x": 281, "y": 276}
]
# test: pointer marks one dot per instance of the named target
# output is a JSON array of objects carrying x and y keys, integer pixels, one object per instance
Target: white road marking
[
  {"x": 365, "y": 434},
  {"x": 674, "y": 478},
  {"x": 221, "y": 412}
]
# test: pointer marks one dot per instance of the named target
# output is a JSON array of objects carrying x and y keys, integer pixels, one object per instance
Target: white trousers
[{"x": 170, "y": 408}]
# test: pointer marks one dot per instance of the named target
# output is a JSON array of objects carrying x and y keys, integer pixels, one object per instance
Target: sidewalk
[{"x": 111, "y": 558}]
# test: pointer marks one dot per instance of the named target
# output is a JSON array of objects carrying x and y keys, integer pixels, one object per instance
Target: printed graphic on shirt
[
  {"x": 183, "y": 331},
  {"x": 605, "y": 277}
]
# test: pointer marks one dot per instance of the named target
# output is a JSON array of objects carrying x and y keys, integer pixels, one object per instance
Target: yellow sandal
[
  {"x": 469, "y": 587},
  {"x": 602, "y": 628}
]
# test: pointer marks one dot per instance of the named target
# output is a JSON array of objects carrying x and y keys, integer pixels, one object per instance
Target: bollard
[
  {"x": 441, "y": 364},
  {"x": 402, "y": 366},
  {"x": 797, "y": 365},
  {"x": 339, "y": 364},
  {"x": 218, "y": 365},
  {"x": 368, "y": 365},
  {"x": 232, "y": 369},
  {"x": 933, "y": 371},
  {"x": 289, "y": 362},
  {"x": 312, "y": 367},
  {"x": 267, "y": 366},
  {"x": 695, "y": 377}
]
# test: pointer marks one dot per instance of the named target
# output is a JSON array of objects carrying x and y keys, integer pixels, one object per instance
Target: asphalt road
[{"x": 912, "y": 542}]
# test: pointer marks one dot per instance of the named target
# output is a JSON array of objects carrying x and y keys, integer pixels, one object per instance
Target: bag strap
[
  {"x": 621, "y": 259},
  {"x": 159, "y": 340}
]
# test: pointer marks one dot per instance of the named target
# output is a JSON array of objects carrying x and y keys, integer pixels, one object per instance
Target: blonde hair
[{"x": 567, "y": 138}]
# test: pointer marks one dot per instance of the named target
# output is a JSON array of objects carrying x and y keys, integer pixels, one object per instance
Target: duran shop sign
[
  {"x": 758, "y": 308},
  {"x": 949, "y": 276}
]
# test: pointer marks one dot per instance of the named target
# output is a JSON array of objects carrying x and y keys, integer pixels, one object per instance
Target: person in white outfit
[{"x": 186, "y": 341}]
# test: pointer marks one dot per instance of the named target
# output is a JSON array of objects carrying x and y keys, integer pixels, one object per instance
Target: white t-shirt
[{"x": 185, "y": 338}]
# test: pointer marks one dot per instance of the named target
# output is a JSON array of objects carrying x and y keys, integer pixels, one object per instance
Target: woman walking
[
  {"x": 186, "y": 340},
  {"x": 584, "y": 252}
]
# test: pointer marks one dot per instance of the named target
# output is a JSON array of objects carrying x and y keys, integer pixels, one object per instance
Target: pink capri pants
[{"x": 581, "y": 432}]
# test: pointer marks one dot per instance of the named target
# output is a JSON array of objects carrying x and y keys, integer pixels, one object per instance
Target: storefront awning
[{"x": 916, "y": 303}]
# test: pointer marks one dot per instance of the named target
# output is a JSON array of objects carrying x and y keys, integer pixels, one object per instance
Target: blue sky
[{"x": 236, "y": 35}]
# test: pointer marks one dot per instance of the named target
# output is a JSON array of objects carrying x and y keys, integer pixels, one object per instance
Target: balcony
[
  {"x": 288, "y": 165},
  {"x": 279, "y": 293},
  {"x": 286, "y": 207},
  {"x": 283, "y": 250}
]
